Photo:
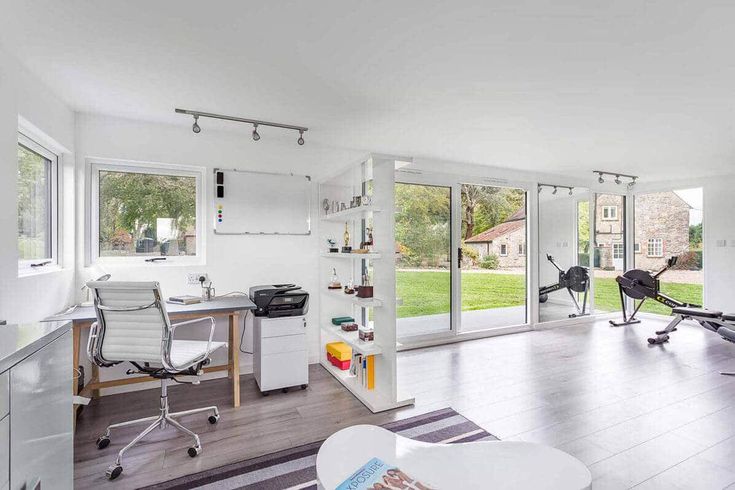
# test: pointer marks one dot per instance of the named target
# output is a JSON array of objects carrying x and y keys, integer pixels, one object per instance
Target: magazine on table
[{"x": 378, "y": 475}]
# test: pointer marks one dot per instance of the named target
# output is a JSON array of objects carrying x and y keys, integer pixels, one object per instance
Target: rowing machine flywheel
[
  {"x": 642, "y": 278},
  {"x": 577, "y": 278}
]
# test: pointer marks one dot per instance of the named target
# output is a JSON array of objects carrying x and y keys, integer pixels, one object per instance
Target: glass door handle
[{"x": 459, "y": 257}]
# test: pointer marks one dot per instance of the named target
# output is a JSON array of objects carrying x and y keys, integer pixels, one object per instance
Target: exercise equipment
[
  {"x": 574, "y": 280},
  {"x": 714, "y": 321},
  {"x": 641, "y": 285}
]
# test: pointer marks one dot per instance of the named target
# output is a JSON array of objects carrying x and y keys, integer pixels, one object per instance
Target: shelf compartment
[
  {"x": 349, "y": 213},
  {"x": 353, "y": 340},
  {"x": 340, "y": 255},
  {"x": 375, "y": 400},
  {"x": 351, "y": 298}
]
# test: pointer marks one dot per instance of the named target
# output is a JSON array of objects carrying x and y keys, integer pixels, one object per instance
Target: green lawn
[{"x": 426, "y": 293}]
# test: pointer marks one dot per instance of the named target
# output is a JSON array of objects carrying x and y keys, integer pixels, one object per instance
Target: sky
[{"x": 694, "y": 198}]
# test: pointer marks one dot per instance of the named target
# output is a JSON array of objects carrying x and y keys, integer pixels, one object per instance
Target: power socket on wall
[{"x": 192, "y": 278}]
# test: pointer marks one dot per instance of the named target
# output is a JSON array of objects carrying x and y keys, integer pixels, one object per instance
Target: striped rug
[{"x": 295, "y": 468}]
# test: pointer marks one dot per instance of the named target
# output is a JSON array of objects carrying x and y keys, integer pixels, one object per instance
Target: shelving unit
[
  {"x": 353, "y": 340},
  {"x": 372, "y": 176},
  {"x": 340, "y": 255},
  {"x": 349, "y": 213}
]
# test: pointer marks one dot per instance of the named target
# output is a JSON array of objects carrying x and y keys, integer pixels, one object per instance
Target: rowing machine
[
  {"x": 574, "y": 280},
  {"x": 641, "y": 285}
]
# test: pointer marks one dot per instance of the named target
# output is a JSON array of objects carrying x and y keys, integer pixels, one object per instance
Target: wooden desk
[{"x": 226, "y": 307}]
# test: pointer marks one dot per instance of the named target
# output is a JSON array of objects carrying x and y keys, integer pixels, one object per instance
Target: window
[
  {"x": 618, "y": 250},
  {"x": 609, "y": 213},
  {"x": 637, "y": 248},
  {"x": 145, "y": 211},
  {"x": 655, "y": 247},
  {"x": 37, "y": 206},
  {"x": 503, "y": 249},
  {"x": 521, "y": 248}
]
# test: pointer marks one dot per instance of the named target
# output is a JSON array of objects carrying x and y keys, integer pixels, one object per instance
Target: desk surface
[
  {"x": 217, "y": 305},
  {"x": 20, "y": 341}
]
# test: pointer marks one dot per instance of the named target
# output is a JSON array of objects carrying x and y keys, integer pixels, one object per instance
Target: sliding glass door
[
  {"x": 423, "y": 268},
  {"x": 493, "y": 250},
  {"x": 461, "y": 263}
]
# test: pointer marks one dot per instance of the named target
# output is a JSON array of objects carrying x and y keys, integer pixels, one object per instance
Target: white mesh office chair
[{"x": 133, "y": 326}]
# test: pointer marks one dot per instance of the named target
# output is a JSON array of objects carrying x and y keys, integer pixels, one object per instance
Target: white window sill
[
  {"x": 139, "y": 262},
  {"x": 37, "y": 271}
]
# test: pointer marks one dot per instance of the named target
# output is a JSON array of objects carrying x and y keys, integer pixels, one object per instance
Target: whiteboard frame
[{"x": 262, "y": 233}]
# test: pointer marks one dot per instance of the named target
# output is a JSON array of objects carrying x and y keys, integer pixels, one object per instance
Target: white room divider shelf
[
  {"x": 349, "y": 213},
  {"x": 340, "y": 255},
  {"x": 351, "y": 298},
  {"x": 353, "y": 340},
  {"x": 372, "y": 176}
]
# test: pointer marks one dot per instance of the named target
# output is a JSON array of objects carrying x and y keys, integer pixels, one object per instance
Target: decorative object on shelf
[
  {"x": 343, "y": 207},
  {"x": 350, "y": 287},
  {"x": 361, "y": 250},
  {"x": 367, "y": 200},
  {"x": 325, "y": 205},
  {"x": 334, "y": 207},
  {"x": 367, "y": 334},
  {"x": 332, "y": 245},
  {"x": 365, "y": 290},
  {"x": 349, "y": 326},
  {"x": 207, "y": 288},
  {"x": 339, "y": 320},
  {"x": 367, "y": 245},
  {"x": 346, "y": 248},
  {"x": 339, "y": 355},
  {"x": 334, "y": 282}
]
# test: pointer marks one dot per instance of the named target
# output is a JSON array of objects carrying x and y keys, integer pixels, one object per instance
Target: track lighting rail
[
  {"x": 254, "y": 122},
  {"x": 556, "y": 188},
  {"x": 601, "y": 177}
]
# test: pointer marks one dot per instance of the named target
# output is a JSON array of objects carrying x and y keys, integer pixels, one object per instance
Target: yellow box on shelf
[{"x": 340, "y": 350}]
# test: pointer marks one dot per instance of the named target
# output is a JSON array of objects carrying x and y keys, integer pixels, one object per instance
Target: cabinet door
[
  {"x": 4, "y": 453},
  {"x": 41, "y": 439}
]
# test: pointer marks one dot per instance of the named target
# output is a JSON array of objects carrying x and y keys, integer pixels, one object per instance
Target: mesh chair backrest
[{"x": 130, "y": 335}]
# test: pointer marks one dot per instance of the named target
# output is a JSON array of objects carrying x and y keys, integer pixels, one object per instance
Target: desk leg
[
  {"x": 235, "y": 357},
  {"x": 76, "y": 336}
]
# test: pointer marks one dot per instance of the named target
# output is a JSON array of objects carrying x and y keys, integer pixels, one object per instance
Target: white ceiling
[{"x": 645, "y": 87}]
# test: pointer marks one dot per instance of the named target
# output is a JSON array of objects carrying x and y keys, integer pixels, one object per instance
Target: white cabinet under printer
[{"x": 280, "y": 354}]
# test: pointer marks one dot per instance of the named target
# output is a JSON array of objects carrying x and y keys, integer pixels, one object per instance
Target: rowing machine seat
[
  {"x": 729, "y": 317},
  {"x": 726, "y": 334},
  {"x": 697, "y": 312}
]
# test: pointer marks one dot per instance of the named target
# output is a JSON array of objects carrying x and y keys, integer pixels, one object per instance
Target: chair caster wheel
[
  {"x": 265, "y": 393},
  {"x": 194, "y": 451},
  {"x": 284, "y": 390},
  {"x": 103, "y": 442},
  {"x": 303, "y": 387},
  {"x": 213, "y": 419},
  {"x": 113, "y": 471}
]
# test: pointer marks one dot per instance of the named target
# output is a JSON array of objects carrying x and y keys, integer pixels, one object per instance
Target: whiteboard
[{"x": 261, "y": 203}]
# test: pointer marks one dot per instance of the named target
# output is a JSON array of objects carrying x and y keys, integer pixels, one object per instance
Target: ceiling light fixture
[
  {"x": 254, "y": 122},
  {"x": 555, "y": 188},
  {"x": 618, "y": 180}
]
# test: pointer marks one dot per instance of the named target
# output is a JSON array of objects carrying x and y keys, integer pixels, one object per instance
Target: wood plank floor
[{"x": 639, "y": 416}]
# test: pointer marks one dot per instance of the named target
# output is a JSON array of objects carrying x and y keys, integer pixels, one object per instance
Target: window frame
[
  {"x": 637, "y": 247},
  {"x": 620, "y": 248},
  {"x": 25, "y": 266},
  {"x": 500, "y": 252},
  {"x": 95, "y": 166},
  {"x": 660, "y": 242},
  {"x": 522, "y": 249},
  {"x": 610, "y": 217}
]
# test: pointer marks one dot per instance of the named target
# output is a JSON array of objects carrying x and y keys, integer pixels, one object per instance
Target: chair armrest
[
  {"x": 168, "y": 364},
  {"x": 92, "y": 343}
]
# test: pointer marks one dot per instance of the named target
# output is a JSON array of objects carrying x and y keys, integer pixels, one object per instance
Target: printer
[
  {"x": 280, "y": 349},
  {"x": 279, "y": 300}
]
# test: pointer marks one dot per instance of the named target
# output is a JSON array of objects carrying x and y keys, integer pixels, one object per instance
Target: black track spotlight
[
  {"x": 256, "y": 136},
  {"x": 300, "y": 141},
  {"x": 555, "y": 190},
  {"x": 601, "y": 180},
  {"x": 195, "y": 127},
  {"x": 617, "y": 180},
  {"x": 570, "y": 191}
]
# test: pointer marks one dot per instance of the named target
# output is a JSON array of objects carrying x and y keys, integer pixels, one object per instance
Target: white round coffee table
[{"x": 472, "y": 465}]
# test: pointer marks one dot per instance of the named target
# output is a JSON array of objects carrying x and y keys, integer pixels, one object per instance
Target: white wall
[
  {"x": 719, "y": 261},
  {"x": 34, "y": 297},
  {"x": 234, "y": 263},
  {"x": 557, "y": 233}
]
